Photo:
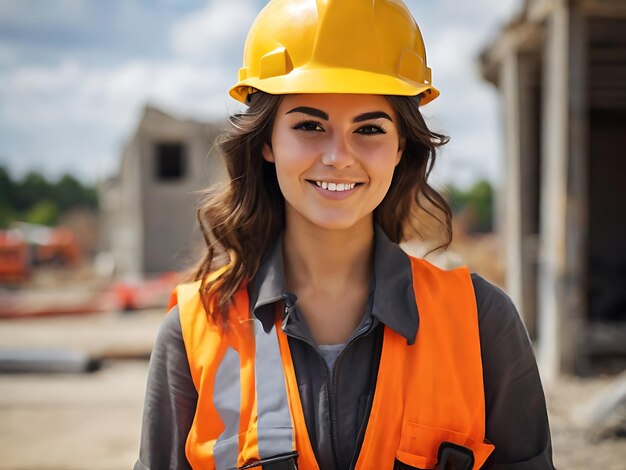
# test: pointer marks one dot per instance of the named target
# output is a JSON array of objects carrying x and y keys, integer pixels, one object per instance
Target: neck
[{"x": 327, "y": 259}]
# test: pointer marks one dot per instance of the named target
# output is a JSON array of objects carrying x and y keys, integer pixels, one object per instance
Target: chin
[
  {"x": 327, "y": 218},
  {"x": 335, "y": 222}
]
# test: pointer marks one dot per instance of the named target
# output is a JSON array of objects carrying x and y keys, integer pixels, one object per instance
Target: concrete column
[
  {"x": 562, "y": 250},
  {"x": 577, "y": 220},
  {"x": 511, "y": 219},
  {"x": 520, "y": 188},
  {"x": 530, "y": 158},
  {"x": 553, "y": 193}
]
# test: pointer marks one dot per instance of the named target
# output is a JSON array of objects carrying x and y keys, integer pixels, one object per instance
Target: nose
[{"x": 338, "y": 153}]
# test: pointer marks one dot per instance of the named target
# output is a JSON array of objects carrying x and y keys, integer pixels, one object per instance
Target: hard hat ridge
[{"x": 335, "y": 46}]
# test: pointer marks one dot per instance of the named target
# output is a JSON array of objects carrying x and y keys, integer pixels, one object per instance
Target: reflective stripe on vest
[
  {"x": 274, "y": 430},
  {"x": 249, "y": 394},
  {"x": 426, "y": 394}
]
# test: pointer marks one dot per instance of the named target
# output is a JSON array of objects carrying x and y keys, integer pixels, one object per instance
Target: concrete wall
[
  {"x": 169, "y": 206},
  {"x": 154, "y": 219},
  {"x": 127, "y": 217}
]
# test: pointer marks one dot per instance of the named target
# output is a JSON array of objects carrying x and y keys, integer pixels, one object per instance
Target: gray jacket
[{"x": 336, "y": 403}]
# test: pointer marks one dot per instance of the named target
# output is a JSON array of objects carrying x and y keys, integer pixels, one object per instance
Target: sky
[{"x": 76, "y": 74}]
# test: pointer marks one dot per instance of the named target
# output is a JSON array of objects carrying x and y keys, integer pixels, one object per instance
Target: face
[{"x": 335, "y": 156}]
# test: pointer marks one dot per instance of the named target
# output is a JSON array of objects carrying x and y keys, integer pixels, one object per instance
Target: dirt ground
[
  {"x": 92, "y": 420},
  {"x": 72, "y": 421},
  {"x": 576, "y": 448},
  {"x": 83, "y": 420}
]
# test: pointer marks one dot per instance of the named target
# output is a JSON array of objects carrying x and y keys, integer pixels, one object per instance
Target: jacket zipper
[
  {"x": 373, "y": 379},
  {"x": 333, "y": 399},
  {"x": 288, "y": 306}
]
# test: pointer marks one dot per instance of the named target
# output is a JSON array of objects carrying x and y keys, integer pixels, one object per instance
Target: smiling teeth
[{"x": 335, "y": 186}]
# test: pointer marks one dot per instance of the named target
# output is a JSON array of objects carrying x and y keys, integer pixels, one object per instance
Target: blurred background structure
[
  {"x": 147, "y": 211},
  {"x": 561, "y": 71},
  {"x": 109, "y": 113}
]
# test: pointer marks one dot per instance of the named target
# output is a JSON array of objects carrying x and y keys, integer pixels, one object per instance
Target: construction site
[
  {"x": 72, "y": 384},
  {"x": 74, "y": 354},
  {"x": 81, "y": 304}
]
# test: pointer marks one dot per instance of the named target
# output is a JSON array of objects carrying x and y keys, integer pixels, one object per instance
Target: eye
[
  {"x": 310, "y": 126},
  {"x": 371, "y": 129}
]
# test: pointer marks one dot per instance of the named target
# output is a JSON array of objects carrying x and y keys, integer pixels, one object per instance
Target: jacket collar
[{"x": 393, "y": 295}]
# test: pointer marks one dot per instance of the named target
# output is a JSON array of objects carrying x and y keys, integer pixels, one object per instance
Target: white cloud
[
  {"x": 7, "y": 55},
  {"x": 96, "y": 108},
  {"x": 72, "y": 90},
  {"x": 27, "y": 13},
  {"x": 203, "y": 34}
]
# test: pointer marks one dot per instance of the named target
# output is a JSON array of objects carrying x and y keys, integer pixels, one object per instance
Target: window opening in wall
[{"x": 170, "y": 161}]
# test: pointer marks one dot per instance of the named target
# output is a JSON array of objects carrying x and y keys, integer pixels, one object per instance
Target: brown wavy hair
[{"x": 241, "y": 221}]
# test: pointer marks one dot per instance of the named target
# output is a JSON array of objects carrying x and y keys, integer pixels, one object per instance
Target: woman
[{"x": 310, "y": 339}]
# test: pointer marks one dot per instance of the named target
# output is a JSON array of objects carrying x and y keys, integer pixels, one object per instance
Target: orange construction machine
[{"x": 25, "y": 246}]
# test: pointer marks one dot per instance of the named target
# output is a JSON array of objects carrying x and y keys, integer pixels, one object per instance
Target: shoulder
[
  {"x": 169, "y": 361},
  {"x": 192, "y": 299},
  {"x": 451, "y": 278},
  {"x": 490, "y": 299},
  {"x": 193, "y": 311},
  {"x": 492, "y": 302},
  {"x": 502, "y": 331},
  {"x": 170, "y": 333},
  {"x": 494, "y": 306},
  {"x": 497, "y": 315},
  {"x": 184, "y": 293}
]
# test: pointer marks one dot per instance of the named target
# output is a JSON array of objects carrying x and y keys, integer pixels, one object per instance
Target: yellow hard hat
[{"x": 335, "y": 46}]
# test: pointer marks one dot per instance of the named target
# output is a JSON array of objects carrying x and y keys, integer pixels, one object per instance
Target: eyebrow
[
  {"x": 323, "y": 115},
  {"x": 372, "y": 115},
  {"x": 312, "y": 111}
]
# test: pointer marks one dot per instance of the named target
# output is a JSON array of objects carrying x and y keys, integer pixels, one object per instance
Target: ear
[
  {"x": 268, "y": 153},
  {"x": 401, "y": 145}
]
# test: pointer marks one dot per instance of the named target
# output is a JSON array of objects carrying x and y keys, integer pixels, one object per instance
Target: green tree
[
  {"x": 480, "y": 201},
  {"x": 44, "y": 212},
  {"x": 7, "y": 215},
  {"x": 456, "y": 198},
  {"x": 35, "y": 199},
  {"x": 69, "y": 193},
  {"x": 7, "y": 187},
  {"x": 32, "y": 189},
  {"x": 476, "y": 202}
]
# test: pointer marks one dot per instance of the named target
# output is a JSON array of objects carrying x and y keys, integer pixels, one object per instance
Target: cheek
[
  {"x": 381, "y": 161},
  {"x": 292, "y": 155}
]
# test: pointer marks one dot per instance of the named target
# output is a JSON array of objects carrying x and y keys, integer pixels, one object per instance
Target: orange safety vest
[{"x": 427, "y": 393}]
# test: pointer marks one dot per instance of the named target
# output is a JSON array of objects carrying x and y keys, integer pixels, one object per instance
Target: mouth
[{"x": 334, "y": 186}]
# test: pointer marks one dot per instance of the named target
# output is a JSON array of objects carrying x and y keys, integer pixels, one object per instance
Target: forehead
[{"x": 336, "y": 105}]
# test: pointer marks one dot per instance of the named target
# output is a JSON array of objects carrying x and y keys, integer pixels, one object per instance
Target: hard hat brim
[{"x": 334, "y": 80}]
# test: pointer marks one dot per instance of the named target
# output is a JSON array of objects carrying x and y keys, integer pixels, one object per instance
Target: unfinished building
[
  {"x": 149, "y": 209},
  {"x": 560, "y": 67}
]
